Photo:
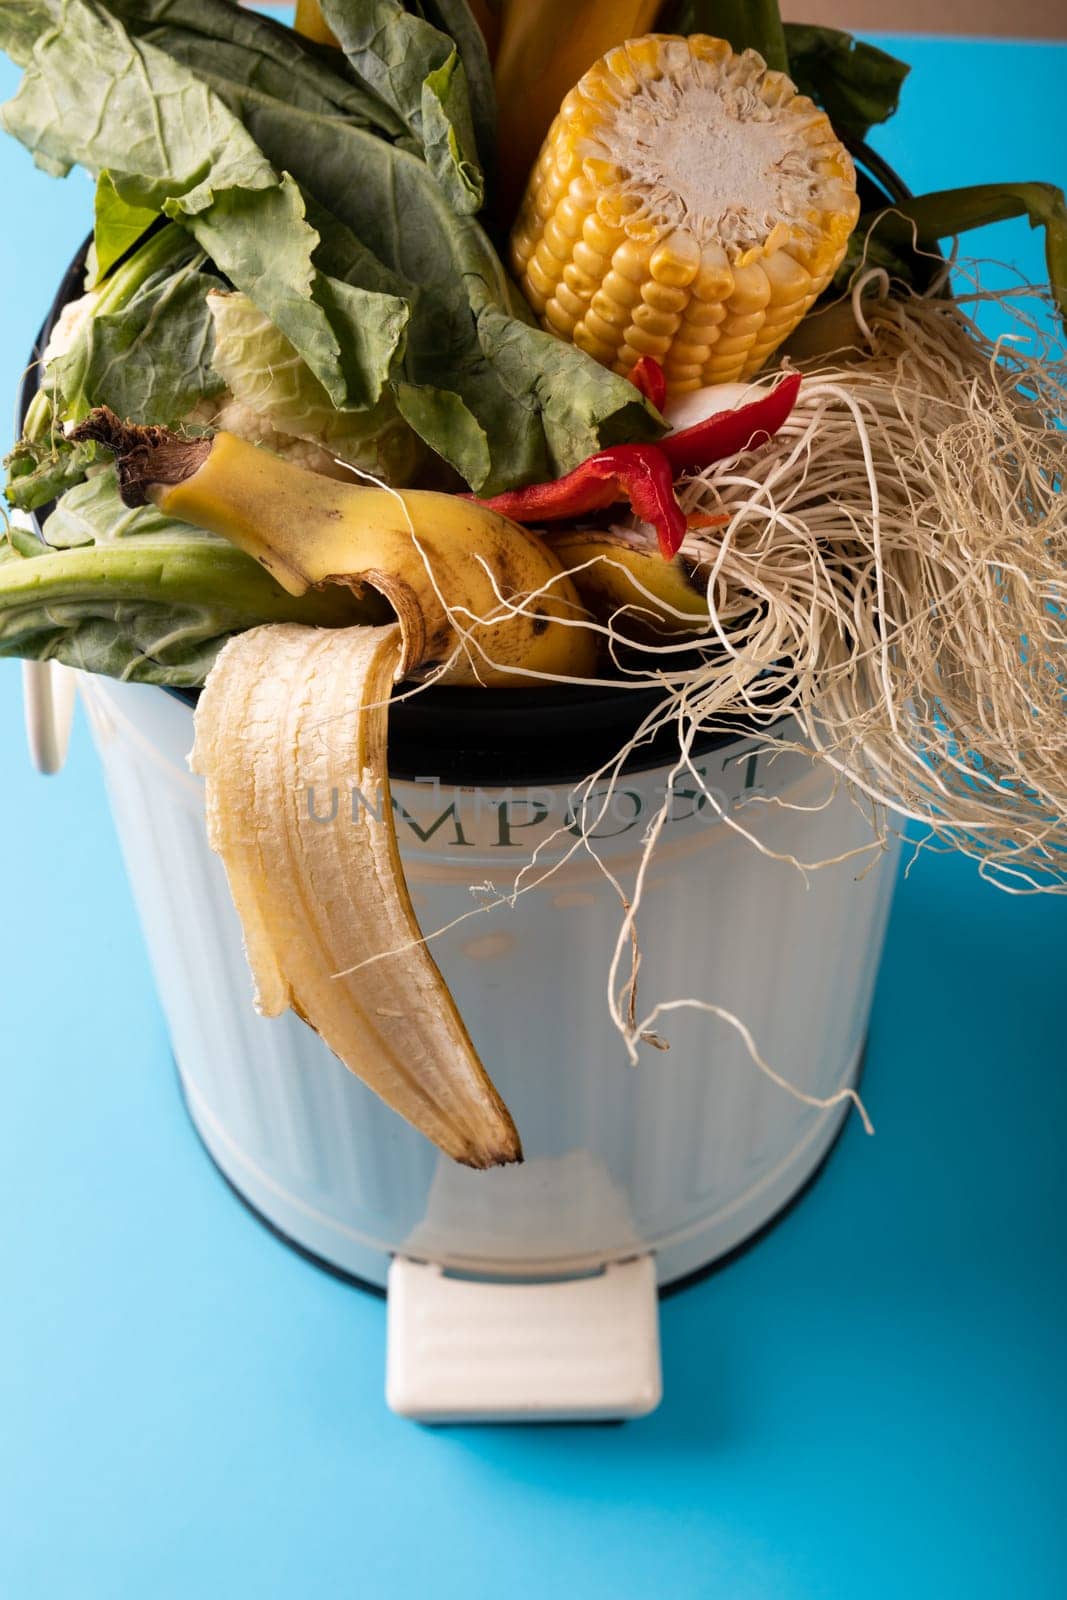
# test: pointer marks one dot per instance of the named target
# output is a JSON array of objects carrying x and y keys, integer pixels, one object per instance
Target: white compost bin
[{"x": 529, "y": 1291}]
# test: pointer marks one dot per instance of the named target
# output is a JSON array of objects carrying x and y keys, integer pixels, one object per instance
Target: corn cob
[{"x": 687, "y": 204}]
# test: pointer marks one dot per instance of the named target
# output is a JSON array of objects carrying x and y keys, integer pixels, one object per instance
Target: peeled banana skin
[
  {"x": 479, "y": 599},
  {"x": 625, "y": 581},
  {"x": 289, "y": 710}
]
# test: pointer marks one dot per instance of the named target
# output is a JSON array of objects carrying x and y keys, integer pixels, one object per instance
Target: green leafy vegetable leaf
[
  {"x": 493, "y": 426},
  {"x": 21, "y": 24},
  {"x": 117, "y": 226},
  {"x": 261, "y": 241},
  {"x": 379, "y": 222},
  {"x": 454, "y": 18},
  {"x": 266, "y": 375},
  {"x": 417, "y": 71},
  {"x": 94, "y": 96},
  {"x": 930, "y": 217},
  {"x": 238, "y": 51},
  {"x": 582, "y": 408},
  {"x": 856, "y": 84},
  {"x": 151, "y": 360},
  {"x": 139, "y": 596},
  {"x": 442, "y": 415}
]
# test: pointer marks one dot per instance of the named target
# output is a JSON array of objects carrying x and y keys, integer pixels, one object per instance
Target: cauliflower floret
[
  {"x": 225, "y": 412},
  {"x": 68, "y": 325}
]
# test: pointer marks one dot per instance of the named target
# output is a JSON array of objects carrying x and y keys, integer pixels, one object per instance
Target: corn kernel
[
  {"x": 663, "y": 298},
  {"x": 579, "y": 282},
  {"x": 660, "y": 324},
  {"x": 623, "y": 291},
  {"x": 647, "y": 344},
  {"x": 599, "y": 349},
  {"x": 572, "y": 303},
  {"x": 588, "y": 260},
  {"x": 601, "y": 329},
  {"x": 610, "y": 311},
  {"x": 558, "y": 319}
]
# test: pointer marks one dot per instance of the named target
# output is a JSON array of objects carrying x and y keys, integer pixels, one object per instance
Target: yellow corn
[{"x": 687, "y": 204}]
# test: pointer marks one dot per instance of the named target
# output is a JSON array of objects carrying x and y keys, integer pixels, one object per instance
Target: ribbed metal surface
[{"x": 684, "y": 1154}]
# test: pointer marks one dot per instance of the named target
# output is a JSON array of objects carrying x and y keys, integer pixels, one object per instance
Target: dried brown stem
[{"x": 144, "y": 456}]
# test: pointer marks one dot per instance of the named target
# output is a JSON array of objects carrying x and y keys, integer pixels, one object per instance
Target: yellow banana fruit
[
  {"x": 624, "y": 580},
  {"x": 468, "y": 587},
  {"x": 284, "y": 707}
]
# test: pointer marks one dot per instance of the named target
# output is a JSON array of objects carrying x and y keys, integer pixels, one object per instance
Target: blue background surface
[{"x": 871, "y": 1403}]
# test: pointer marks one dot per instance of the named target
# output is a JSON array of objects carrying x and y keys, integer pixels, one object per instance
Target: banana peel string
[{"x": 644, "y": 474}]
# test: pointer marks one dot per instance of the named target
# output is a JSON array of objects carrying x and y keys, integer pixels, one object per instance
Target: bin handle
[{"x": 48, "y": 702}]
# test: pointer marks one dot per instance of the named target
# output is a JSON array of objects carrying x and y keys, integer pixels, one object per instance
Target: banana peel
[
  {"x": 479, "y": 599},
  {"x": 328, "y": 923},
  {"x": 624, "y": 580}
]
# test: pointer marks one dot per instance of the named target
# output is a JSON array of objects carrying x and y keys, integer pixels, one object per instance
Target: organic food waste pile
[{"x": 634, "y": 393}]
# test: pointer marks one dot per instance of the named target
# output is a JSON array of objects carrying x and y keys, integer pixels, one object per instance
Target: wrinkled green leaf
[
  {"x": 345, "y": 257},
  {"x": 441, "y": 414},
  {"x": 386, "y": 228},
  {"x": 263, "y": 244},
  {"x": 856, "y": 84},
  {"x": 266, "y": 376},
  {"x": 417, "y": 71},
  {"x": 580, "y": 411},
  {"x": 141, "y": 345},
  {"x": 151, "y": 360},
  {"x": 21, "y": 24},
  {"x": 231, "y": 46},
  {"x": 117, "y": 226},
  {"x": 496, "y": 429},
  {"x": 455, "y": 18},
  {"x": 150, "y": 600},
  {"x": 94, "y": 96}
]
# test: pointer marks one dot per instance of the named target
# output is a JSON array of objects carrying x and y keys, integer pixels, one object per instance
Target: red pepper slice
[
  {"x": 639, "y": 473},
  {"x": 727, "y": 433},
  {"x": 647, "y": 375},
  {"x": 644, "y": 474}
]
